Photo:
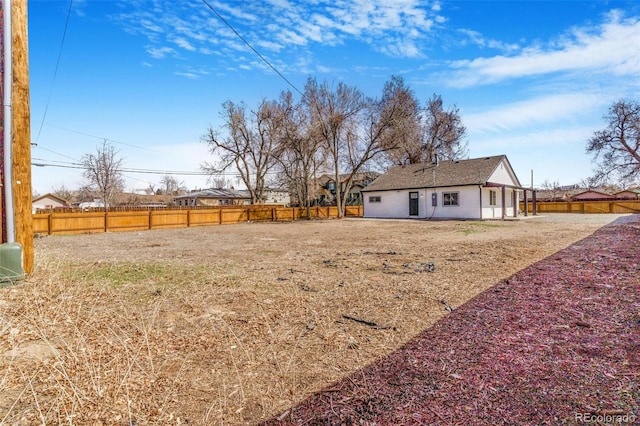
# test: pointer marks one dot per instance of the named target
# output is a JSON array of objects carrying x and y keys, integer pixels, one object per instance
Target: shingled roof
[{"x": 475, "y": 171}]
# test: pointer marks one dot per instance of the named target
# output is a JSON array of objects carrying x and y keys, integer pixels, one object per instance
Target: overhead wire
[
  {"x": 265, "y": 60},
  {"x": 102, "y": 138},
  {"x": 68, "y": 165},
  {"x": 55, "y": 72},
  {"x": 48, "y": 163}
]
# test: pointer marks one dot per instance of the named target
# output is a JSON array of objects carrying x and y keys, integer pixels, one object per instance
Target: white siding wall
[
  {"x": 495, "y": 212},
  {"x": 502, "y": 175},
  {"x": 395, "y": 204}
]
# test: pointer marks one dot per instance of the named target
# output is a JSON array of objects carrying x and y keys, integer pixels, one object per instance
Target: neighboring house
[
  {"x": 628, "y": 194},
  {"x": 47, "y": 202},
  {"x": 479, "y": 188},
  {"x": 214, "y": 197},
  {"x": 592, "y": 195},
  {"x": 276, "y": 196},
  {"x": 559, "y": 194},
  {"x": 327, "y": 187},
  {"x": 88, "y": 205}
]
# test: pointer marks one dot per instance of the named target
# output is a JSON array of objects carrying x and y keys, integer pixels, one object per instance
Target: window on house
[
  {"x": 450, "y": 199},
  {"x": 375, "y": 199},
  {"x": 492, "y": 198}
]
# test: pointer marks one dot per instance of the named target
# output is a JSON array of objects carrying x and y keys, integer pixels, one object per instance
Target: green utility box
[{"x": 10, "y": 264}]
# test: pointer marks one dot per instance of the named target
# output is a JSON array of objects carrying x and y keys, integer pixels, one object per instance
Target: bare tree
[
  {"x": 419, "y": 134},
  {"x": 103, "y": 172},
  {"x": 334, "y": 117},
  {"x": 220, "y": 182},
  {"x": 298, "y": 151},
  {"x": 248, "y": 145},
  {"x": 169, "y": 185},
  {"x": 552, "y": 187},
  {"x": 616, "y": 148},
  {"x": 442, "y": 132},
  {"x": 592, "y": 182},
  {"x": 62, "y": 192},
  {"x": 150, "y": 190},
  {"x": 354, "y": 129},
  {"x": 404, "y": 132}
]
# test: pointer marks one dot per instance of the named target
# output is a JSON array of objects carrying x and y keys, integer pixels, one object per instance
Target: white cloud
[
  {"x": 533, "y": 112},
  {"x": 160, "y": 52},
  {"x": 611, "y": 47},
  {"x": 182, "y": 42},
  {"x": 479, "y": 40},
  {"x": 543, "y": 138},
  {"x": 393, "y": 27},
  {"x": 190, "y": 75}
]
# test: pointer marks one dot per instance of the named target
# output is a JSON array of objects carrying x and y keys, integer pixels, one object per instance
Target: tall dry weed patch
[{"x": 75, "y": 349}]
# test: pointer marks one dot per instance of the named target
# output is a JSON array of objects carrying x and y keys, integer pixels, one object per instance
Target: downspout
[{"x": 7, "y": 118}]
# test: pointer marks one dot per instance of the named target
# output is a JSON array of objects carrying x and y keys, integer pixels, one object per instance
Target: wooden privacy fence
[
  {"x": 136, "y": 220},
  {"x": 619, "y": 206}
]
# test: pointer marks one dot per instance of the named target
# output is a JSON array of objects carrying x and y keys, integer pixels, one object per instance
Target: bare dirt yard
[{"x": 234, "y": 324}]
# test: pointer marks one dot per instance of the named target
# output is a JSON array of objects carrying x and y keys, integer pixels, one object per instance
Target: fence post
[
  {"x": 106, "y": 220},
  {"x": 188, "y": 218},
  {"x": 220, "y": 215},
  {"x": 50, "y": 223},
  {"x": 273, "y": 214}
]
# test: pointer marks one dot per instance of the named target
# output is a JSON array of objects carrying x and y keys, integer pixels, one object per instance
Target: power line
[
  {"x": 252, "y": 48},
  {"x": 79, "y": 166},
  {"x": 102, "y": 138},
  {"x": 55, "y": 72}
]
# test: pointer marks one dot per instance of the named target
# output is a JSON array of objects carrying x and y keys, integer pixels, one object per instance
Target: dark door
[{"x": 413, "y": 204}]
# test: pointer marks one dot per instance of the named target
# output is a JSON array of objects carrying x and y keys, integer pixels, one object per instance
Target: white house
[
  {"x": 47, "y": 202},
  {"x": 276, "y": 196},
  {"x": 479, "y": 188}
]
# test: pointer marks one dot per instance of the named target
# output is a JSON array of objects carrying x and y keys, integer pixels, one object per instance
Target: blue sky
[{"x": 532, "y": 79}]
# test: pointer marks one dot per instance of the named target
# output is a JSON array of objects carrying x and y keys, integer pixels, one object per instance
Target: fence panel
[
  {"x": 353, "y": 211},
  {"x": 592, "y": 207},
  {"x": 77, "y": 223},
  {"x": 204, "y": 217},
  {"x": 233, "y": 216},
  {"x": 261, "y": 215},
  {"x": 169, "y": 219},
  {"x": 41, "y": 223},
  {"x": 626, "y": 207},
  {"x": 284, "y": 214},
  {"x": 121, "y": 221}
]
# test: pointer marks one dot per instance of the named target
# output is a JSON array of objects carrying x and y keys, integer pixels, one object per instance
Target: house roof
[
  {"x": 590, "y": 193},
  {"x": 475, "y": 171},
  {"x": 51, "y": 197},
  {"x": 360, "y": 176},
  {"x": 217, "y": 193},
  {"x": 630, "y": 191}
]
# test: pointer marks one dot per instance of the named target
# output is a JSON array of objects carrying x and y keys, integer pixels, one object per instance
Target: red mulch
[{"x": 556, "y": 340}]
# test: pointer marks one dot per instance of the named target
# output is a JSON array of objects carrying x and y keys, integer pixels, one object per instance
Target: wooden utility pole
[
  {"x": 21, "y": 129},
  {"x": 22, "y": 133}
]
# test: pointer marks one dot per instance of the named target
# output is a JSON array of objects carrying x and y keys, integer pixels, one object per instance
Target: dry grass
[{"x": 233, "y": 324}]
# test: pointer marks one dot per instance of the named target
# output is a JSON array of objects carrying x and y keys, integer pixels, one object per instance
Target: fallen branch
[{"x": 369, "y": 323}]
